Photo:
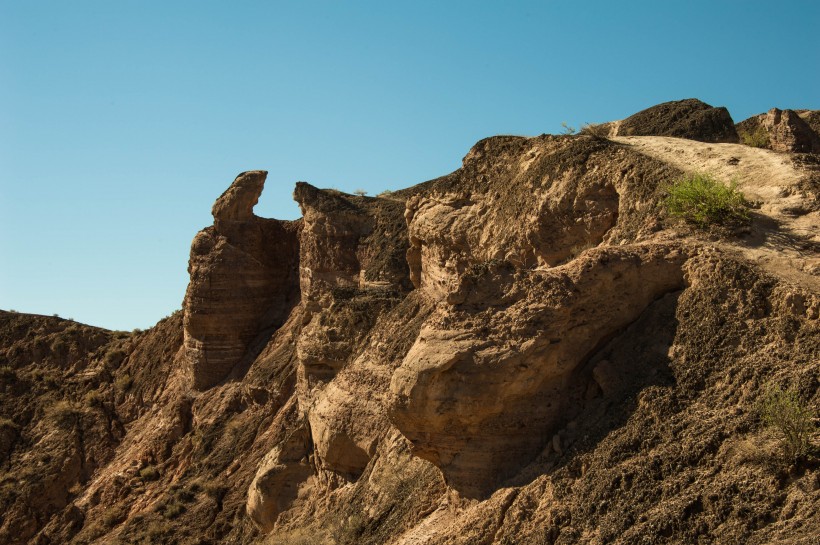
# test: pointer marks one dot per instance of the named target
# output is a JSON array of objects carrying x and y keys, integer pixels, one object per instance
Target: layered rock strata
[
  {"x": 244, "y": 281},
  {"x": 527, "y": 350}
]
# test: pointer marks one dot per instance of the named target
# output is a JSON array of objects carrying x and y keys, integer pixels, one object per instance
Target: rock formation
[
  {"x": 244, "y": 281},
  {"x": 688, "y": 118},
  {"x": 528, "y": 350},
  {"x": 786, "y": 130}
]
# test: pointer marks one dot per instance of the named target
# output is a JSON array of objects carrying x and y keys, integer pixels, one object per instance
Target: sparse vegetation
[
  {"x": 360, "y": 192},
  {"x": 7, "y": 374},
  {"x": 59, "y": 346},
  {"x": 114, "y": 357},
  {"x": 567, "y": 129},
  {"x": 113, "y": 516},
  {"x": 759, "y": 138},
  {"x": 792, "y": 420},
  {"x": 123, "y": 382},
  {"x": 63, "y": 412},
  {"x": 702, "y": 200},
  {"x": 149, "y": 473},
  {"x": 578, "y": 249},
  {"x": 172, "y": 509},
  {"x": 94, "y": 398},
  {"x": 598, "y": 130},
  {"x": 7, "y": 423}
]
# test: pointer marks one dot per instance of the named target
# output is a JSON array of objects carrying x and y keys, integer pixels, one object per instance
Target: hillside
[{"x": 528, "y": 350}]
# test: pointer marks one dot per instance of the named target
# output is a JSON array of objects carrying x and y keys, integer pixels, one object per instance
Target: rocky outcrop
[
  {"x": 688, "y": 118},
  {"x": 352, "y": 272},
  {"x": 244, "y": 281},
  {"x": 785, "y": 131},
  {"x": 480, "y": 405},
  {"x": 812, "y": 119},
  {"x": 560, "y": 196},
  {"x": 285, "y": 474},
  {"x": 527, "y": 350}
]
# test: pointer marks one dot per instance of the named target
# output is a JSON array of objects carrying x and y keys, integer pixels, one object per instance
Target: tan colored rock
[
  {"x": 788, "y": 132},
  {"x": 483, "y": 388},
  {"x": 284, "y": 475},
  {"x": 543, "y": 201},
  {"x": 244, "y": 281},
  {"x": 572, "y": 367}
]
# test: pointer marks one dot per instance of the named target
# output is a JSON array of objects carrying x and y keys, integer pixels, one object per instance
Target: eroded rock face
[
  {"x": 787, "y": 131},
  {"x": 812, "y": 119},
  {"x": 688, "y": 118},
  {"x": 244, "y": 281},
  {"x": 480, "y": 404},
  {"x": 523, "y": 351},
  {"x": 544, "y": 201},
  {"x": 352, "y": 271},
  {"x": 284, "y": 475}
]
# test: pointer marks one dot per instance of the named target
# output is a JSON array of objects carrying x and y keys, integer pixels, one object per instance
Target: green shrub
[
  {"x": 757, "y": 139},
  {"x": 704, "y": 201},
  {"x": 114, "y": 357},
  {"x": 172, "y": 509},
  {"x": 113, "y": 516},
  {"x": 59, "y": 346},
  {"x": 792, "y": 419}
]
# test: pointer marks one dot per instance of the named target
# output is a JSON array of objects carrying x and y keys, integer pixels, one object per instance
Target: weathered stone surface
[
  {"x": 688, "y": 118},
  {"x": 244, "y": 281},
  {"x": 787, "y": 131},
  {"x": 812, "y": 119},
  {"x": 545, "y": 200},
  {"x": 479, "y": 404},
  {"x": 285, "y": 474},
  {"x": 526, "y": 350},
  {"x": 352, "y": 271}
]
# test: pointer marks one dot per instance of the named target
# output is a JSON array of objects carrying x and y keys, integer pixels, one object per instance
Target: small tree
[
  {"x": 791, "y": 419},
  {"x": 360, "y": 192}
]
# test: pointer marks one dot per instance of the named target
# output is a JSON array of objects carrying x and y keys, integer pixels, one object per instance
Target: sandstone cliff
[{"x": 527, "y": 350}]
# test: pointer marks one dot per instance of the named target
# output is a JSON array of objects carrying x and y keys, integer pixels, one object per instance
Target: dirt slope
[{"x": 785, "y": 235}]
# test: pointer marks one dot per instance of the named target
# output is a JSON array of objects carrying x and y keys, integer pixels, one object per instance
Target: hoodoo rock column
[{"x": 244, "y": 282}]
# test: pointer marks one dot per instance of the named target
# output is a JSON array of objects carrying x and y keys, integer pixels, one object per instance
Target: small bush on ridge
[
  {"x": 704, "y": 201},
  {"x": 791, "y": 418}
]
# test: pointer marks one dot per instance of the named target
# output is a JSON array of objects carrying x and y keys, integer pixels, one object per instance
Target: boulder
[{"x": 688, "y": 118}]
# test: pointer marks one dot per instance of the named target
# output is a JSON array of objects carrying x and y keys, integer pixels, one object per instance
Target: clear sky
[{"x": 121, "y": 122}]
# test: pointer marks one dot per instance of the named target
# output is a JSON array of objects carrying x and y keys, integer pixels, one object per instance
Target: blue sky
[{"x": 121, "y": 122}]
